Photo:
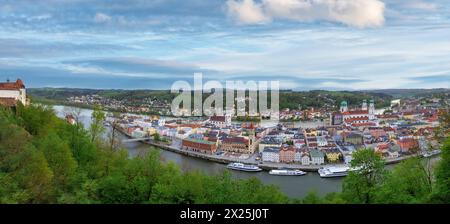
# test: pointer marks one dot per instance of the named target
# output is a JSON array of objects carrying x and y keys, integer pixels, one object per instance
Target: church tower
[
  {"x": 372, "y": 109},
  {"x": 364, "y": 105},
  {"x": 344, "y": 107}
]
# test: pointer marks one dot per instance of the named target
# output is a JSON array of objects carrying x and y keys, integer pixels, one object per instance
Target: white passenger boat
[
  {"x": 334, "y": 171},
  {"x": 432, "y": 153},
  {"x": 243, "y": 167},
  {"x": 283, "y": 172}
]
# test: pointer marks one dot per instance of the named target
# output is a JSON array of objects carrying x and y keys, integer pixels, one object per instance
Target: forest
[{"x": 44, "y": 159}]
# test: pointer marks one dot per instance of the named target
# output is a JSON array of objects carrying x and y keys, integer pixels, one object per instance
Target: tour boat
[
  {"x": 243, "y": 167},
  {"x": 283, "y": 172},
  {"x": 432, "y": 153},
  {"x": 334, "y": 171}
]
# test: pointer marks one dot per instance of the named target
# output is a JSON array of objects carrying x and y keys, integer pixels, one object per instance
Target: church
[
  {"x": 12, "y": 92},
  {"x": 363, "y": 116}
]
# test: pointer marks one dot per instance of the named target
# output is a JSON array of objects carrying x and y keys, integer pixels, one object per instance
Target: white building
[
  {"x": 13, "y": 92},
  {"x": 321, "y": 141},
  {"x": 306, "y": 160},
  {"x": 271, "y": 154}
]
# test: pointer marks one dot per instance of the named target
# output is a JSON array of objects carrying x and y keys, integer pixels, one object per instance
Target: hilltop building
[{"x": 13, "y": 92}]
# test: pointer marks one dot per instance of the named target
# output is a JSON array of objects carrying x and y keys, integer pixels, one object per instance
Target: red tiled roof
[
  {"x": 8, "y": 102},
  {"x": 352, "y": 112},
  {"x": 240, "y": 140},
  {"x": 364, "y": 124},
  {"x": 356, "y": 119},
  {"x": 12, "y": 85}
]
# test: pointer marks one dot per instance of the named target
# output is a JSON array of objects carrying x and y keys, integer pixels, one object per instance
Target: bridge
[{"x": 135, "y": 140}]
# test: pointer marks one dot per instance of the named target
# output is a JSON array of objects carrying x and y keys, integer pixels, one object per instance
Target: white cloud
[
  {"x": 246, "y": 12},
  {"x": 417, "y": 4},
  {"x": 358, "y": 13},
  {"x": 101, "y": 18}
]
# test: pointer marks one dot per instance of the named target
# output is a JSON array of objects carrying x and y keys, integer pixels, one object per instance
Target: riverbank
[
  {"x": 267, "y": 166},
  {"x": 293, "y": 186}
]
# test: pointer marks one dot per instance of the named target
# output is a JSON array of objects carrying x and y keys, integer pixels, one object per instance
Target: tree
[
  {"x": 113, "y": 134},
  {"x": 409, "y": 182},
  {"x": 156, "y": 137},
  {"x": 59, "y": 158},
  {"x": 441, "y": 191},
  {"x": 443, "y": 131},
  {"x": 361, "y": 184},
  {"x": 312, "y": 198},
  {"x": 97, "y": 129}
]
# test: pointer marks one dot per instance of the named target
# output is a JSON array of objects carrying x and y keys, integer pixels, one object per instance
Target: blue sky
[{"x": 305, "y": 44}]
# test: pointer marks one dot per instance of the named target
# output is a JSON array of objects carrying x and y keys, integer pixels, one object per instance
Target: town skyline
[{"x": 306, "y": 45}]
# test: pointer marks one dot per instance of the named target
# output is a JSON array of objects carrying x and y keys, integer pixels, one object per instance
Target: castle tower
[
  {"x": 344, "y": 106},
  {"x": 364, "y": 105}
]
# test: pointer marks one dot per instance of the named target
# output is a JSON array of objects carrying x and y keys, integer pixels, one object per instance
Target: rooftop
[{"x": 12, "y": 85}]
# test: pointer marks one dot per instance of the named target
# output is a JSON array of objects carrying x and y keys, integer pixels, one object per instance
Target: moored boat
[
  {"x": 334, "y": 171},
  {"x": 285, "y": 172},
  {"x": 243, "y": 167}
]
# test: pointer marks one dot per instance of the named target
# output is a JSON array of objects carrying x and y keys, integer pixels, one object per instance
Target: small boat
[
  {"x": 334, "y": 171},
  {"x": 285, "y": 172},
  {"x": 243, "y": 167}
]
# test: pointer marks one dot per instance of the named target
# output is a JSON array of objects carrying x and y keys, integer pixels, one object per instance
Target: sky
[{"x": 150, "y": 44}]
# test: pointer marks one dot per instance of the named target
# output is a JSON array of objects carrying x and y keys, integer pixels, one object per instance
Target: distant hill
[
  {"x": 401, "y": 93},
  {"x": 288, "y": 99}
]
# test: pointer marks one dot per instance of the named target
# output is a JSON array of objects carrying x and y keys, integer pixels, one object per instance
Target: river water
[{"x": 293, "y": 186}]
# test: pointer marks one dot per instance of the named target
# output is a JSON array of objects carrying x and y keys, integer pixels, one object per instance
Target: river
[{"x": 293, "y": 186}]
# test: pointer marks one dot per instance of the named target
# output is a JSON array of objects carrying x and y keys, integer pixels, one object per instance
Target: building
[
  {"x": 287, "y": 154},
  {"x": 408, "y": 144},
  {"x": 199, "y": 145},
  {"x": 306, "y": 159},
  {"x": 13, "y": 92},
  {"x": 354, "y": 117},
  {"x": 271, "y": 154},
  {"x": 336, "y": 118},
  {"x": 220, "y": 121},
  {"x": 317, "y": 157},
  {"x": 302, "y": 156},
  {"x": 238, "y": 144},
  {"x": 321, "y": 141},
  {"x": 354, "y": 138},
  {"x": 333, "y": 155},
  {"x": 269, "y": 142}
]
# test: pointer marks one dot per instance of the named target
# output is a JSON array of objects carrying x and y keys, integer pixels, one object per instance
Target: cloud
[
  {"x": 357, "y": 13},
  {"x": 101, "y": 18},
  {"x": 246, "y": 12},
  {"x": 133, "y": 66}
]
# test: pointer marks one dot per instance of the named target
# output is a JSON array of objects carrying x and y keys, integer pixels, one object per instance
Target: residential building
[
  {"x": 287, "y": 154},
  {"x": 408, "y": 144},
  {"x": 354, "y": 138},
  {"x": 333, "y": 155},
  {"x": 271, "y": 154},
  {"x": 317, "y": 157},
  {"x": 269, "y": 142}
]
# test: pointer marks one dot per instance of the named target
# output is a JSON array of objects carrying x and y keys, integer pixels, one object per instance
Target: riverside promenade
[{"x": 175, "y": 146}]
